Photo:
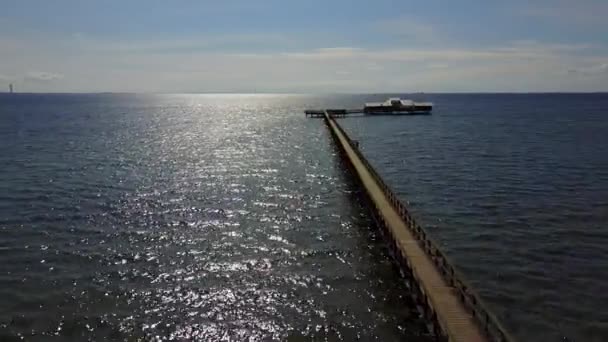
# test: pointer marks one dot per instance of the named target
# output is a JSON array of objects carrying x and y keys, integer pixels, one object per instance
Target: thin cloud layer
[
  {"x": 432, "y": 49},
  {"x": 591, "y": 70},
  {"x": 511, "y": 67},
  {"x": 5, "y": 78},
  {"x": 582, "y": 12},
  {"x": 408, "y": 28},
  {"x": 42, "y": 76}
]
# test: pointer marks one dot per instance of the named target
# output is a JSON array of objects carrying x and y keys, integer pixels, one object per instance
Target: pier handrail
[{"x": 471, "y": 300}]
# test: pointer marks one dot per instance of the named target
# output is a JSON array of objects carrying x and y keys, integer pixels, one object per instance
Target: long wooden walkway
[
  {"x": 447, "y": 297},
  {"x": 336, "y": 113}
]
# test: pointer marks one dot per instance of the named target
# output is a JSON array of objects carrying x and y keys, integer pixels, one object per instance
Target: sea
[{"x": 218, "y": 217}]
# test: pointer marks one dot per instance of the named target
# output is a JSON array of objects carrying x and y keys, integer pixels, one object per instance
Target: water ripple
[{"x": 185, "y": 217}]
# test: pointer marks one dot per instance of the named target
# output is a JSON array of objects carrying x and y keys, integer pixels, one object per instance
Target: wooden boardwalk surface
[{"x": 454, "y": 320}]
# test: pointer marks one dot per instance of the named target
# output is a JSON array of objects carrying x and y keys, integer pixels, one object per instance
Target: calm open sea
[{"x": 231, "y": 216}]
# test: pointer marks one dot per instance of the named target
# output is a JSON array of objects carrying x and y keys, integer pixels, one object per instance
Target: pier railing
[{"x": 471, "y": 300}]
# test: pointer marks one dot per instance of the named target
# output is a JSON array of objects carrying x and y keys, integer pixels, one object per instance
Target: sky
[{"x": 304, "y": 46}]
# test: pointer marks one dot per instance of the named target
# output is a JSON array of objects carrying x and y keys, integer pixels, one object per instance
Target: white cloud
[
  {"x": 439, "y": 56},
  {"x": 326, "y": 53},
  {"x": 155, "y": 67},
  {"x": 42, "y": 76},
  {"x": 591, "y": 70},
  {"x": 407, "y": 28},
  {"x": 438, "y": 66},
  {"x": 190, "y": 44},
  {"x": 583, "y": 12}
]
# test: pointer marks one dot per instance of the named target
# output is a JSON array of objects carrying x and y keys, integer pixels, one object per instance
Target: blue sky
[{"x": 304, "y": 46}]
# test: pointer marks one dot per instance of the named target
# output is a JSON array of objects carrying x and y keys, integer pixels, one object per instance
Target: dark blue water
[
  {"x": 230, "y": 216},
  {"x": 515, "y": 187},
  {"x": 184, "y": 217}
]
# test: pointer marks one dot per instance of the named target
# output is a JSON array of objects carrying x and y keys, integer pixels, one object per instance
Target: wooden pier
[
  {"x": 341, "y": 113},
  {"x": 314, "y": 113},
  {"x": 453, "y": 308},
  {"x": 336, "y": 113}
]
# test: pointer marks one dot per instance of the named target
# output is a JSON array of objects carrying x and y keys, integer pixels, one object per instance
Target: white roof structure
[{"x": 396, "y": 101}]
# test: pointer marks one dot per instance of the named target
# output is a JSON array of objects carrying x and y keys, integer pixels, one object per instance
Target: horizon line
[{"x": 299, "y": 93}]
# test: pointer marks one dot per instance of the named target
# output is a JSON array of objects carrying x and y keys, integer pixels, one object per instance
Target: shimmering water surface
[
  {"x": 231, "y": 217},
  {"x": 184, "y": 217}
]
